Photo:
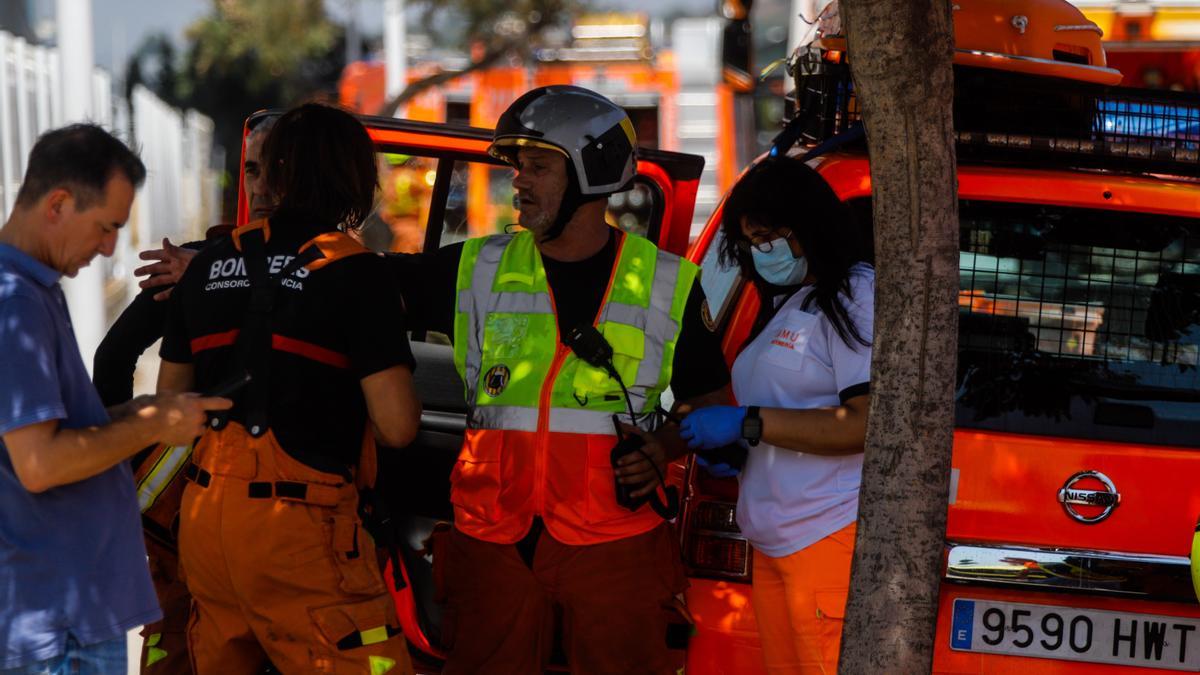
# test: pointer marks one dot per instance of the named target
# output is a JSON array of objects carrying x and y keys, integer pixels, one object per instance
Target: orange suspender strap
[
  {"x": 261, "y": 224},
  {"x": 333, "y": 245}
]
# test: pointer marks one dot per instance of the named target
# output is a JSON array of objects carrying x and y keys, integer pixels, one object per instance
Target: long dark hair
[
  {"x": 320, "y": 166},
  {"x": 783, "y": 192}
]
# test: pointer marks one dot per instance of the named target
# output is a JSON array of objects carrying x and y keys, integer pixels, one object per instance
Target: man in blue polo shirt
[{"x": 73, "y": 574}]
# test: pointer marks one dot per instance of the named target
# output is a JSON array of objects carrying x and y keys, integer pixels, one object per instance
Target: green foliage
[
  {"x": 245, "y": 55},
  {"x": 269, "y": 44},
  {"x": 154, "y": 65}
]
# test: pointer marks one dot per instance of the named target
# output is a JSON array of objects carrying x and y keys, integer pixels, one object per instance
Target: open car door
[{"x": 439, "y": 187}]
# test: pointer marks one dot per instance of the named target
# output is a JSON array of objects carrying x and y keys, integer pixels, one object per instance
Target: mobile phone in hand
[{"x": 229, "y": 387}]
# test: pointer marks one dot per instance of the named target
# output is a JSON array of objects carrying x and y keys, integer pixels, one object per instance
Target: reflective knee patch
[{"x": 154, "y": 653}]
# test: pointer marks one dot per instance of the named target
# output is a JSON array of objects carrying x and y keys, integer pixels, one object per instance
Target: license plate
[{"x": 1070, "y": 634}]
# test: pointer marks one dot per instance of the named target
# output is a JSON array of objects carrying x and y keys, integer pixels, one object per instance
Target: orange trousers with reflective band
[
  {"x": 800, "y": 604},
  {"x": 164, "y": 643},
  {"x": 280, "y": 567}
]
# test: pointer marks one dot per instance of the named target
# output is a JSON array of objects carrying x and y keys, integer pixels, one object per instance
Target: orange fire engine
[{"x": 1155, "y": 44}]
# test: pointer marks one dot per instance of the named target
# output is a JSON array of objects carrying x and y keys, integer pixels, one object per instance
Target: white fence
[{"x": 181, "y": 196}]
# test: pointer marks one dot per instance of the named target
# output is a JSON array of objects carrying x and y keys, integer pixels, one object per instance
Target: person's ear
[{"x": 57, "y": 202}]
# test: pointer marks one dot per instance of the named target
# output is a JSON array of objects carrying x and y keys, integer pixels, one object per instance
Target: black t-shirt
[
  {"x": 138, "y": 327},
  {"x": 131, "y": 334},
  {"x": 331, "y": 328},
  {"x": 429, "y": 280}
]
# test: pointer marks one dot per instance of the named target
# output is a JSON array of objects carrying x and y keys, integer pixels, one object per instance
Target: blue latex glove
[
  {"x": 712, "y": 427},
  {"x": 720, "y": 469}
]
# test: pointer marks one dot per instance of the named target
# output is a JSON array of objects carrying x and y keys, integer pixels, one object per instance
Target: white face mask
[{"x": 778, "y": 266}]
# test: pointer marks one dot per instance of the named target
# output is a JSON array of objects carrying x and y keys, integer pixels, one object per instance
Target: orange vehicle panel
[
  {"x": 947, "y": 661},
  {"x": 1008, "y": 492},
  {"x": 676, "y": 217},
  {"x": 243, "y": 207},
  {"x": 406, "y": 611},
  {"x": 739, "y": 325},
  {"x": 1050, "y": 26},
  {"x": 1037, "y": 67},
  {"x": 726, "y": 143},
  {"x": 726, "y": 640},
  {"x": 1000, "y": 35},
  {"x": 636, "y": 77},
  {"x": 850, "y": 177},
  {"x": 427, "y": 141}
]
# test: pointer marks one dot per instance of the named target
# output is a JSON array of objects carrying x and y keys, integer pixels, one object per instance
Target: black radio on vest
[{"x": 590, "y": 346}]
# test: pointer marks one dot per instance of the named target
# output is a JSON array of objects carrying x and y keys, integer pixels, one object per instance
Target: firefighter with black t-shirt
[
  {"x": 538, "y": 532},
  {"x": 157, "y": 470},
  {"x": 271, "y": 543}
]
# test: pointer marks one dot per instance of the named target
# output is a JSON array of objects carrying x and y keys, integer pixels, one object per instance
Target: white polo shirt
[{"x": 791, "y": 499}]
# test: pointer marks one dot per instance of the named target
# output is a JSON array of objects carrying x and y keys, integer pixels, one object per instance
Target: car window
[
  {"x": 479, "y": 202},
  {"x": 402, "y": 203},
  {"x": 717, "y": 279},
  {"x": 1079, "y": 322},
  {"x": 635, "y": 210}
]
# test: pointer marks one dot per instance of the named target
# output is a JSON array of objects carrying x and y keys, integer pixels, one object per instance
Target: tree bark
[{"x": 900, "y": 53}]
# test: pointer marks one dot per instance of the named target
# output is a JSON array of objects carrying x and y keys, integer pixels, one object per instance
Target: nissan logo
[{"x": 1070, "y": 496}]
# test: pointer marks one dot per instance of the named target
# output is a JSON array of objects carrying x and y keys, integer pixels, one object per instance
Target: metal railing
[{"x": 181, "y": 197}]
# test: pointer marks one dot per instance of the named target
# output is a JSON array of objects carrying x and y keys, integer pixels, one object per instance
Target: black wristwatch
[{"x": 752, "y": 426}]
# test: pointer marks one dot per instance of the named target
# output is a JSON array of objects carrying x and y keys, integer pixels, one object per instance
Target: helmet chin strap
[{"x": 571, "y": 201}]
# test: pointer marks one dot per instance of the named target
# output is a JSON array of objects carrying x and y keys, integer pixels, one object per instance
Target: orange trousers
[
  {"x": 164, "y": 643},
  {"x": 280, "y": 567},
  {"x": 160, "y": 485},
  {"x": 800, "y": 604}
]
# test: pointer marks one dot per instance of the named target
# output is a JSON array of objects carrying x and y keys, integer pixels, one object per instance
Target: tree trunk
[{"x": 900, "y": 53}]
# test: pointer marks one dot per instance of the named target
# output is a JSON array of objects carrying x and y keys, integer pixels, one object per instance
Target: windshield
[{"x": 1080, "y": 323}]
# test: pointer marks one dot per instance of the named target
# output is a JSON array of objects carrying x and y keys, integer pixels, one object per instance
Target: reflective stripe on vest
[
  {"x": 169, "y": 463},
  {"x": 154, "y": 653},
  {"x": 505, "y": 326},
  {"x": 540, "y": 425},
  {"x": 562, "y": 420}
]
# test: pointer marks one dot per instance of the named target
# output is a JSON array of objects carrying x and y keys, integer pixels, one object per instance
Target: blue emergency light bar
[{"x": 1148, "y": 121}]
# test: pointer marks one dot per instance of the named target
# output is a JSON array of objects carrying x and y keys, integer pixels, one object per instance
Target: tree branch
[
  {"x": 492, "y": 55},
  {"x": 415, "y": 88}
]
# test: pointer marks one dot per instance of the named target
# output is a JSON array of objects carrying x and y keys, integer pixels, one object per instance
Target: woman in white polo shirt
[{"x": 802, "y": 383}]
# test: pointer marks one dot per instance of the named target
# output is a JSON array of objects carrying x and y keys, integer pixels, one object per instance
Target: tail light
[
  {"x": 715, "y": 516},
  {"x": 712, "y": 543}
]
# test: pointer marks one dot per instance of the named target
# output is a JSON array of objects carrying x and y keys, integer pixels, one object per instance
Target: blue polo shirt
[{"x": 72, "y": 558}]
